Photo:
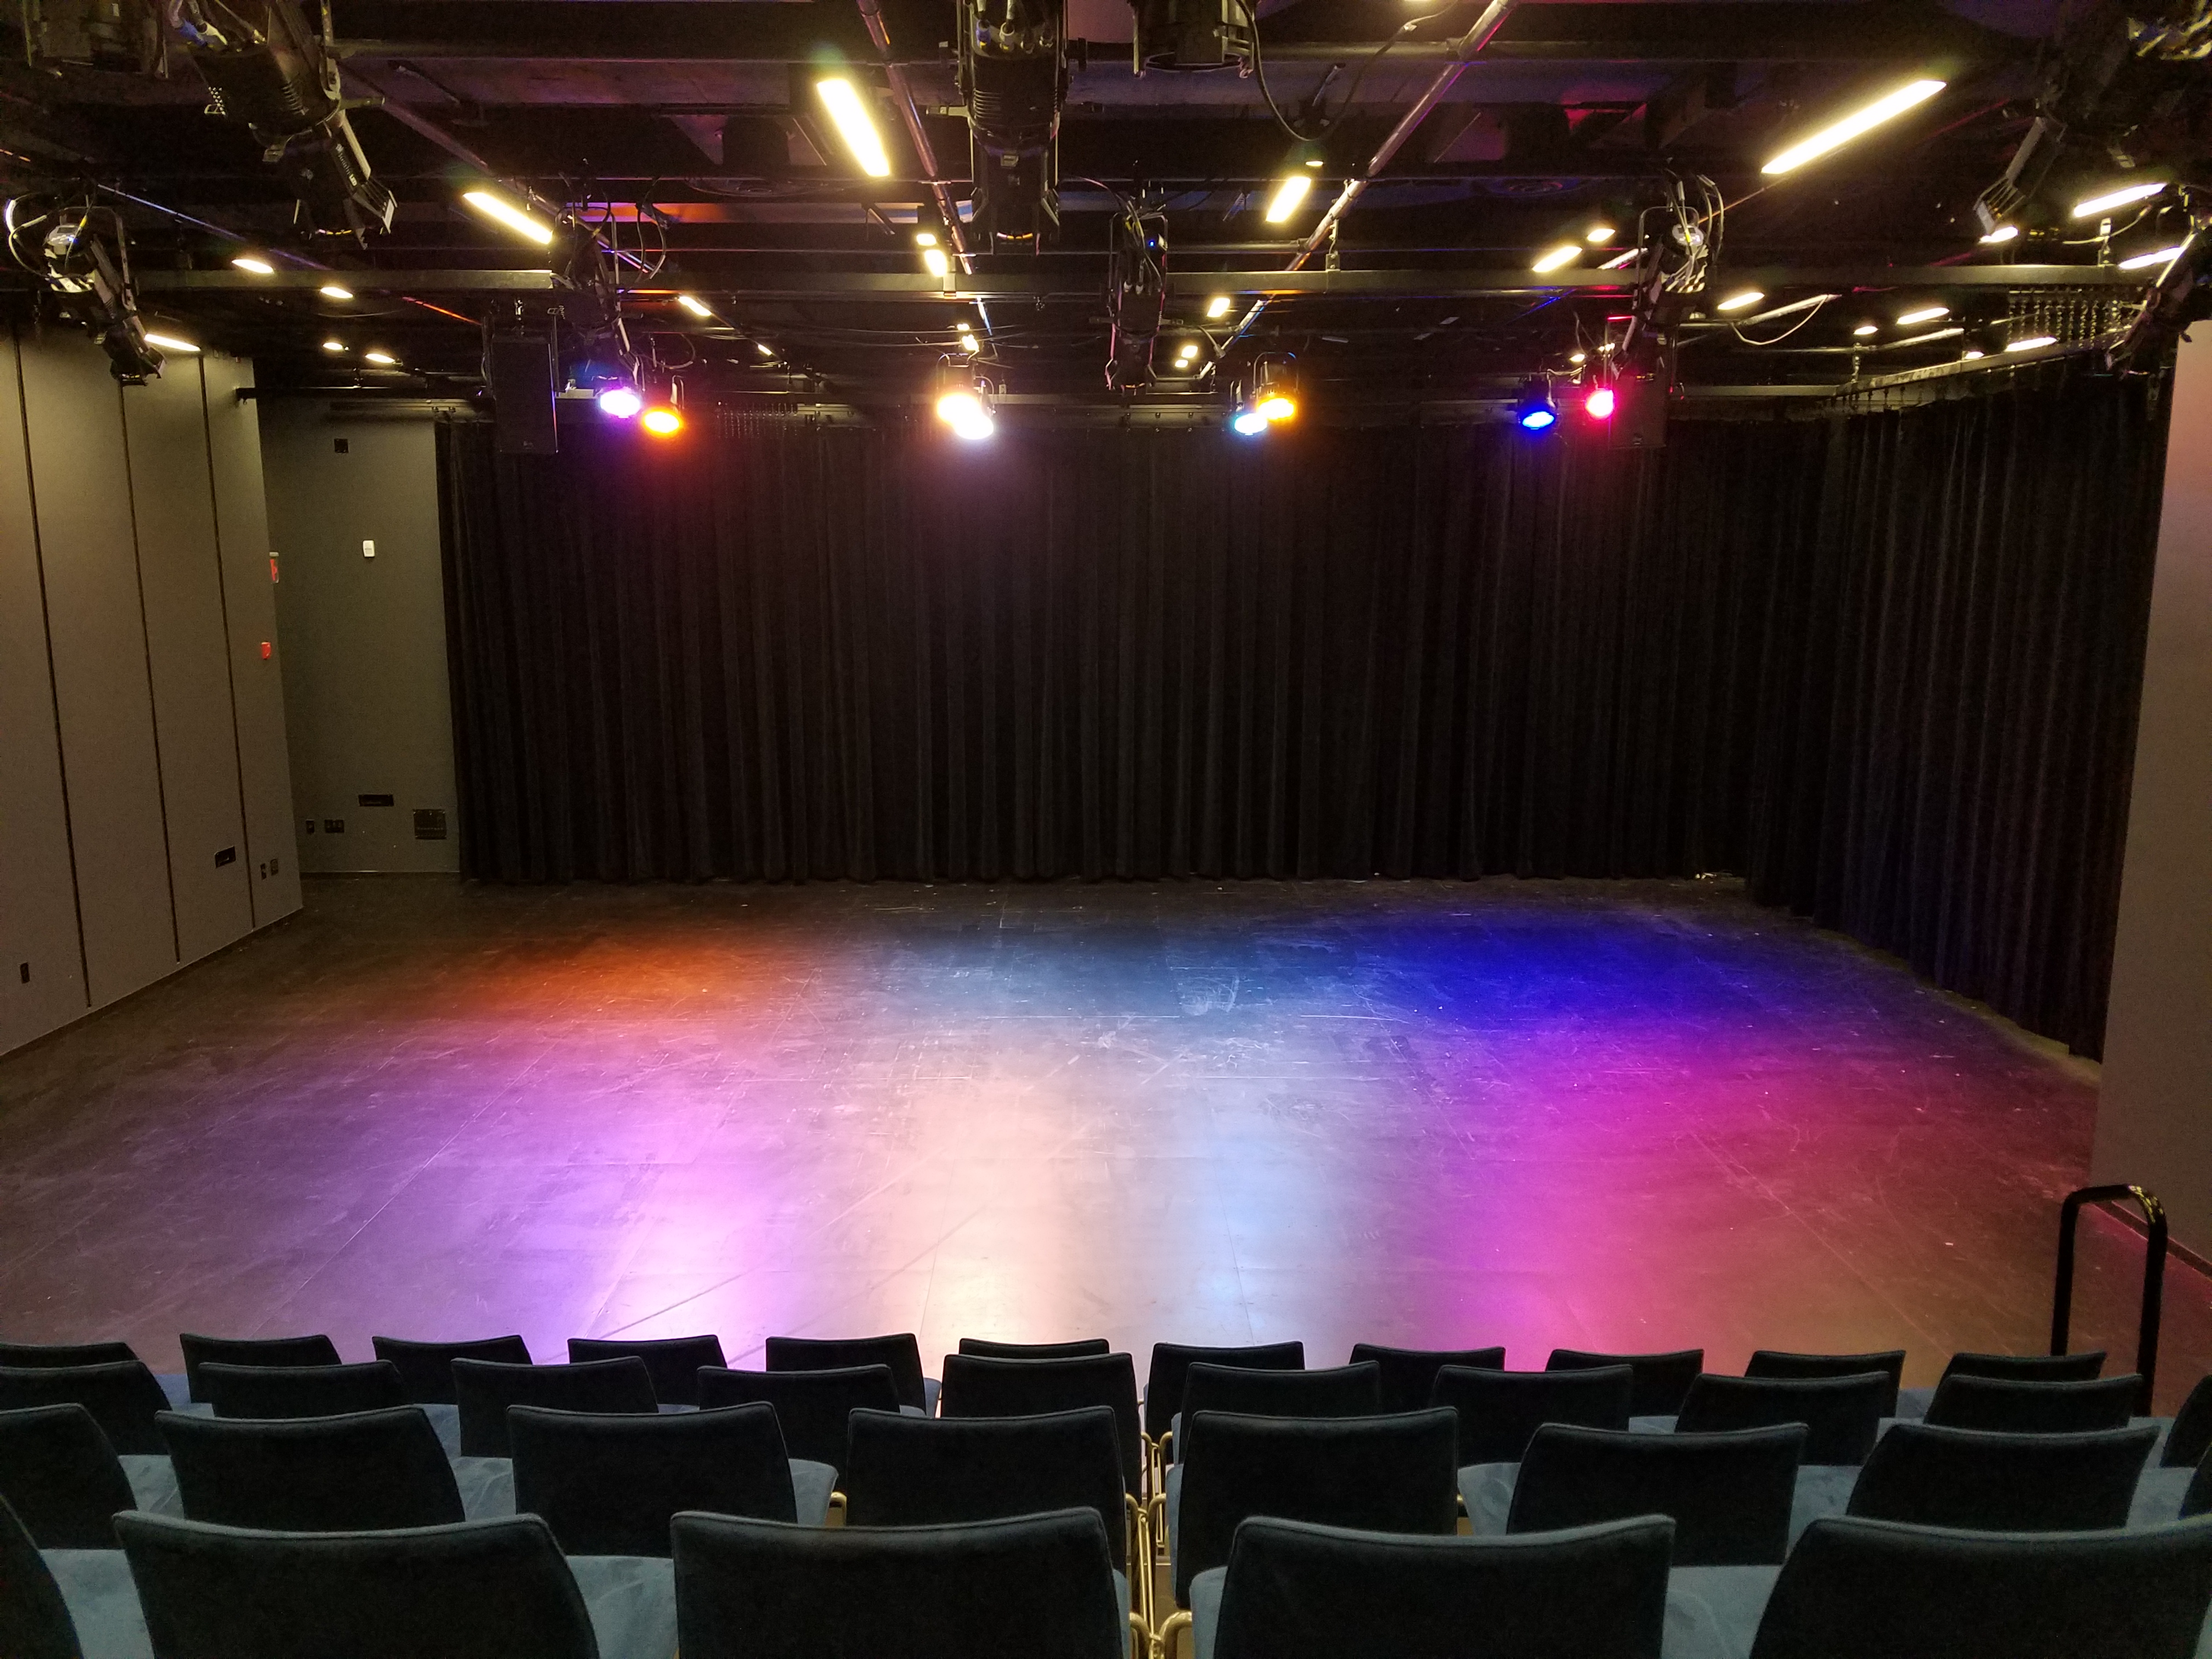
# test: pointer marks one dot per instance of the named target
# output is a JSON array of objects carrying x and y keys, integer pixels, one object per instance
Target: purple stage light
[{"x": 621, "y": 402}]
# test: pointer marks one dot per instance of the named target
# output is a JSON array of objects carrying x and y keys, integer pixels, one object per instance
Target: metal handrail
[{"x": 2154, "y": 1289}]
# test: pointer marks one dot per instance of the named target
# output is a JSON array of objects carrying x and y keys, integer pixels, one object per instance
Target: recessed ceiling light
[
  {"x": 925, "y": 239},
  {"x": 1842, "y": 132},
  {"x": 2124, "y": 196},
  {"x": 254, "y": 262},
  {"x": 1970, "y": 354},
  {"x": 333, "y": 291}
]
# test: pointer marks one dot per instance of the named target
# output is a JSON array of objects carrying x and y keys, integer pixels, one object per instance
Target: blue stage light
[
  {"x": 1536, "y": 420},
  {"x": 1247, "y": 423}
]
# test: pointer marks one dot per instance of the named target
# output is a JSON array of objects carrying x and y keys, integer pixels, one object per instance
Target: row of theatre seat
[{"x": 838, "y": 1500}]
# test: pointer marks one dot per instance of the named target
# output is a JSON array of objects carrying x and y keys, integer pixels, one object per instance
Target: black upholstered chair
[
  {"x": 2029, "y": 1367},
  {"x": 1171, "y": 1362},
  {"x": 1842, "y": 1414},
  {"x": 1389, "y": 1473},
  {"x": 59, "y": 1474},
  {"x": 1929, "y": 1476},
  {"x": 486, "y": 1389},
  {"x": 1854, "y": 1588},
  {"x": 34, "y": 1620},
  {"x": 672, "y": 1362},
  {"x": 122, "y": 1396},
  {"x": 1728, "y": 1494},
  {"x": 1293, "y": 1590},
  {"x": 761, "y": 1589},
  {"x": 1999, "y": 1404},
  {"x": 2190, "y": 1437},
  {"x": 1774, "y": 1362},
  {"x": 1336, "y": 1391},
  {"x": 811, "y": 1408},
  {"x": 363, "y": 1472},
  {"x": 2197, "y": 1499},
  {"x": 918, "y": 1472},
  {"x": 477, "y": 1590},
  {"x": 251, "y": 1350},
  {"x": 1662, "y": 1379},
  {"x": 301, "y": 1391},
  {"x": 1407, "y": 1374},
  {"x": 979, "y": 1385},
  {"x": 903, "y": 1353},
  {"x": 47, "y": 1356},
  {"x": 610, "y": 1485},
  {"x": 1499, "y": 1410},
  {"x": 1082, "y": 1348},
  {"x": 426, "y": 1369}
]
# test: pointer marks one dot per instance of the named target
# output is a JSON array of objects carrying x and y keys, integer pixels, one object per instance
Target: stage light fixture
[
  {"x": 333, "y": 291},
  {"x": 1600, "y": 403},
  {"x": 1275, "y": 389},
  {"x": 501, "y": 212},
  {"x": 621, "y": 402},
  {"x": 1247, "y": 423},
  {"x": 1217, "y": 307},
  {"x": 334, "y": 345},
  {"x": 1852, "y": 127},
  {"x": 254, "y": 264},
  {"x": 1922, "y": 315},
  {"x": 764, "y": 347},
  {"x": 848, "y": 112},
  {"x": 662, "y": 421},
  {"x": 1865, "y": 328},
  {"x": 2032, "y": 342},
  {"x": 1741, "y": 300},
  {"x": 933, "y": 260},
  {"x": 697, "y": 307},
  {"x": 968, "y": 340},
  {"x": 1578, "y": 357},
  {"x": 2144, "y": 261},
  {"x": 1553, "y": 258},
  {"x": 1534, "y": 411},
  {"x": 964, "y": 394},
  {"x": 381, "y": 359},
  {"x": 2002, "y": 233},
  {"x": 170, "y": 343},
  {"x": 2126, "y": 195},
  {"x": 1289, "y": 194},
  {"x": 1599, "y": 234}
]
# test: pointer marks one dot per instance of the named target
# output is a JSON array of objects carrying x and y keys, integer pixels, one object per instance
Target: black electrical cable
[{"x": 1260, "y": 74}]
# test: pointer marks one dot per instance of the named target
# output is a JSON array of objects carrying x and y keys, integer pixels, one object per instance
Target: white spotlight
[{"x": 934, "y": 261}]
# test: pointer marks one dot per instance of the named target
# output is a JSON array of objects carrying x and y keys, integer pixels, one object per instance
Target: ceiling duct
[{"x": 1013, "y": 73}]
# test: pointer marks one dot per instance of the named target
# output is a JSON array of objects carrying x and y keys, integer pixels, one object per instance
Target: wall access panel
[
  {"x": 41, "y": 959},
  {"x": 95, "y": 620},
  {"x": 180, "y": 575}
]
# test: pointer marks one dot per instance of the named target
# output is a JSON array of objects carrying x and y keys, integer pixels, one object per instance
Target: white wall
[
  {"x": 2154, "y": 1119},
  {"x": 143, "y": 823}
]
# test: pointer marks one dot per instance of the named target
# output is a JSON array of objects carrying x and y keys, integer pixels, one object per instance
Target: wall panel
[
  {"x": 233, "y": 439},
  {"x": 37, "y": 891},
  {"x": 96, "y": 623},
  {"x": 180, "y": 576}
]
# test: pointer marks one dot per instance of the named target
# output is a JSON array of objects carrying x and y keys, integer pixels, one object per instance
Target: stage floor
[{"x": 1625, "y": 1115}]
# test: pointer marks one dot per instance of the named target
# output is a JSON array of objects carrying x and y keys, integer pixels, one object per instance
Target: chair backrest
[
  {"x": 2198, "y": 1500},
  {"x": 1967, "y": 1401},
  {"x": 122, "y": 1396},
  {"x": 1171, "y": 1362},
  {"x": 1298, "y": 1591},
  {"x": 978, "y": 1385},
  {"x": 1929, "y": 1476},
  {"x": 2029, "y": 1367},
  {"x": 1662, "y": 1379},
  {"x": 42, "y": 1356},
  {"x": 34, "y": 1620},
  {"x": 903, "y": 1353},
  {"x": 1082, "y": 1348},
  {"x": 1774, "y": 1362},
  {"x": 672, "y": 1362},
  {"x": 2190, "y": 1437},
  {"x": 1842, "y": 1414},
  {"x": 1407, "y": 1374},
  {"x": 301, "y": 1391},
  {"x": 251, "y": 1350},
  {"x": 486, "y": 1389},
  {"x": 61, "y": 1477},
  {"x": 811, "y": 1408},
  {"x": 1337, "y": 1391},
  {"x": 1728, "y": 1494},
  {"x": 426, "y": 1369},
  {"x": 1390, "y": 1474},
  {"x": 761, "y": 1589},
  {"x": 922, "y": 1472},
  {"x": 477, "y": 1590},
  {"x": 1499, "y": 1410},
  {"x": 610, "y": 1485},
  {"x": 363, "y": 1471},
  {"x": 1852, "y": 1587}
]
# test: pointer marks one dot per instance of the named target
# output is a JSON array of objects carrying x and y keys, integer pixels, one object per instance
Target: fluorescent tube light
[
  {"x": 2143, "y": 260},
  {"x": 696, "y": 307},
  {"x": 169, "y": 341},
  {"x": 333, "y": 291},
  {"x": 1553, "y": 258},
  {"x": 2032, "y": 343},
  {"x": 384, "y": 359},
  {"x": 1738, "y": 301},
  {"x": 334, "y": 345},
  {"x": 1288, "y": 195},
  {"x": 503, "y": 212},
  {"x": 1218, "y": 306},
  {"x": 849, "y": 114},
  {"x": 2002, "y": 233},
  {"x": 1852, "y": 127},
  {"x": 1598, "y": 234},
  {"x": 2089, "y": 208},
  {"x": 1923, "y": 314},
  {"x": 934, "y": 261},
  {"x": 254, "y": 262}
]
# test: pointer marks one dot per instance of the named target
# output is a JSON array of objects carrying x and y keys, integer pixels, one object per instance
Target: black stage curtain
[{"x": 1885, "y": 666}]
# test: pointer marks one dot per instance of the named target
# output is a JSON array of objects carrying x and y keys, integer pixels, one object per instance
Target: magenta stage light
[
  {"x": 621, "y": 402},
  {"x": 1600, "y": 403}
]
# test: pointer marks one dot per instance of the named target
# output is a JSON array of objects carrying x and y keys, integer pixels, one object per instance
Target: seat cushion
[
  {"x": 1206, "y": 1609},
  {"x": 632, "y": 1602},
  {"x": 812, "y": 1483},
  {"x": 103, "y": 1602}
]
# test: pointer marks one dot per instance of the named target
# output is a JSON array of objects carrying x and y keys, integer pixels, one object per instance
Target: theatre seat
[
  {"x": 60, "y": 1476},
  {"x": 2190, "y": 1437},
  {"x": 1337, "y": 1391},
  {"x": 122, "y": 1396},
  {"x": 47, "y": 1356},
  {"x": 1967, "y": 1400},
  {"x": 477, "y": 1590},
  {"x": 426, "y": 1369},
  {"x": 486, "y": 1389},
  {"x": 1081, "y": 1348},
  {"x": 360, "y": 1472},
  {"x": 271, "y": 1391},
  {"x": 2029, "y": 1367},
  {"x": 1927, "y": 1475},
  {"x": 34, "y": 1620},
  {"x": 1842, "y": 1414},
  {"x": 1772, "y": 1362},
  {"x": 1171, "y": 1363},
  {"x": 979, "y": 1385},
  {"x": 1407, "y": 1374},
  {"x": 1662, "y": 1379},
  {"x": 901, "y": 1353},
  {"x": 672, "y": 1362},
  {"x": 1728, "y": 1494},
  {"x": 1500, "y": 1411},
  {"x": 811, "y": 1408},
  {"x": 253, "y": 1350}
]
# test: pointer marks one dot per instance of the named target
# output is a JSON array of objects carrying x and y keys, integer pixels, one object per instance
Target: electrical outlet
[
  {"x": 334, "y": 826},
  {"x": 228, "y": 855}
]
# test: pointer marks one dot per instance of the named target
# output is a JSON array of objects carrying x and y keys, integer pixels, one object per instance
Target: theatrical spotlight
[
  {"x": 1534, "y": 411},
  {"x": 621, "y": 402},
  {"x": 662, "y": 420},
  {"x": 1600, "y": 402},
  {"x": 1271, "y": 397},
  {"x": 82, "y": 255},
  {"x": 964, "y": 396}
]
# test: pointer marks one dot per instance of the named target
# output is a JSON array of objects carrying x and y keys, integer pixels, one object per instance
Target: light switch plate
[{"x": 368, "y": 550}]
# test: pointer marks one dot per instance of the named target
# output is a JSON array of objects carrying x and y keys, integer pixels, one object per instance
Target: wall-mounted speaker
[
  {"x": 1639, "y": 413},
  {"x": 519, "y": 367}
]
